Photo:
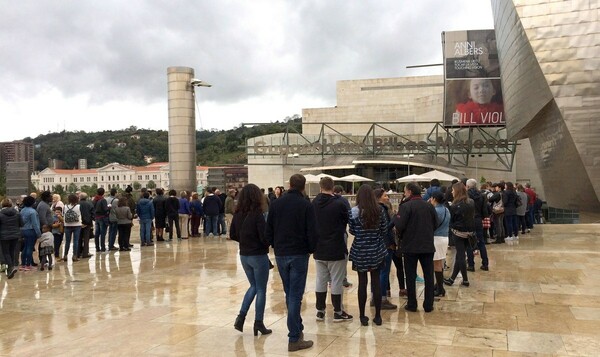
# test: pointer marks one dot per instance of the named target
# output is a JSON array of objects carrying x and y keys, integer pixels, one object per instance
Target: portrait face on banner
[{"x": 473, "y": 92}]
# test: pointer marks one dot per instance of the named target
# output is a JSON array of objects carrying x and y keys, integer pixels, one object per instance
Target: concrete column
[{"x": 182, "y": 129}]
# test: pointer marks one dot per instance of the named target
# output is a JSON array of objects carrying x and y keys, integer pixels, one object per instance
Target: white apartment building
[{"x": 109, "y": 176}]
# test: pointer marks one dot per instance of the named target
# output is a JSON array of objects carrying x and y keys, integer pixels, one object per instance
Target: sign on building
[{"x": 473, "y": 94}]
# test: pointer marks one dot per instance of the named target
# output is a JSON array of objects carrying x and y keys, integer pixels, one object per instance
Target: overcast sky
[{"x": 100, "y": 65}]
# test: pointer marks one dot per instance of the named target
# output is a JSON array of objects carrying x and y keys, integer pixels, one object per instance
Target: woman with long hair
[
  {"x": 368, "y": 225},
  {"x": 30, "y": 230},
  {"x": 248, "y": 229},
  {"x": 462, "y": 224}
]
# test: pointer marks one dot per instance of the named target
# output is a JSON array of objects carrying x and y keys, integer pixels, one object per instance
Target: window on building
[
  {"x": 139, "y": 177},
  {"x": 147, "y": 177}
]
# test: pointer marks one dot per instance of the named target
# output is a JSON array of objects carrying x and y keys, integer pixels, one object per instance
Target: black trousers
[
  {"x": 8, "y": 252},
  {"x": 84, "y": 241},
  {"x": 410, "y": 267},
  {"x": 124, "y": 234}
]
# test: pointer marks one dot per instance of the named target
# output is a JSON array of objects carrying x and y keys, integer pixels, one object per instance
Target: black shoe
[
  {"x": 483, "y": 267},
  {"x": 498, "y": 241},
  {"x": 12, "y": 273},
  {"x": 34, "y": 264},
  {"x": 449, "y": 281},
  {"x": 320, "y": 315},
  {"x": 465, "y": 283},
  {"x": 143, "y": 244},
  {"x": 113, "y": 248},
  {"x": 131, "y": 246},
  {"x": 386, "y": 305},
  {"x": 364, "y": 321},
  {"x": 471, "y": 268},
  {"x": 377, "y": 320},
  {"x": 239, "y": 323},
  {"x": 439, "y": 293},
  {"x": 160, "y": 239},
  {"x": 149, "y": 244},
  {"x": 259, "y": 326},
  {"x": 103, "y": 250},
  {"x": 341, "y": 317},
  {"x": 411, "y": 309},
  {"x": 427, "y": 309}
]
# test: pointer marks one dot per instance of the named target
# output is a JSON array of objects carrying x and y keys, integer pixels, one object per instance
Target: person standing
[
  {"x": 124, "y": 223},
  {"x": 145, "y": 212},
  {"x": 291, "y": 231},
  {"x": 160, "y": 214},
  {"x": 248, "y": 229},
  {"x": 367, "y": 223},
  {"x": 522, "y": 209},
  {"x": 197, "y": 213},
  {"x": 211, "y": 207},
  {"x": 481, "y": 211},
  {"x": 390, "y": 243},
  {"x": 415, "y": 223},
  {"x": 330, "y": 253},
  {"x": 221, "y": 221},
  {"x": 531, "y": 199},
  {"x": 172, "y": 210},
  {"x": 440, "y": 240},
  {"x": 10, "y": 232},
  {"x": 462, "y": 224},
  {"x": 30, "y": 230},
  {"x": 184, "y": 214},
  {"x": 101, "y": 218},
  {"x": 113, "y": 226},
  {"x": 87, "y": 221},
  {"x": 72, "y": 219}
]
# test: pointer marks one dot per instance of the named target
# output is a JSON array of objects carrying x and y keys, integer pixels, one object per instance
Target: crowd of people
[{"x": 418, "y": 232}]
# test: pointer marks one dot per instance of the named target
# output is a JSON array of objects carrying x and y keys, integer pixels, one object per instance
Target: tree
[
  {"x": 137, "y": 185},
  {"x": 72, "y": 188},
  {"x": 151, "y": 185},
  {"x": 59, "y": 189}
]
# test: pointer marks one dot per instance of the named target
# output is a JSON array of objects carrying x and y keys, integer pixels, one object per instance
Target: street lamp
[{"x": 408, "y": 157}]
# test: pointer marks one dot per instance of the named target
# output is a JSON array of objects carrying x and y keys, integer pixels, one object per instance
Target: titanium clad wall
[
  {"x": 550, "y": 58},
  {"x": 182, "y": 129}
]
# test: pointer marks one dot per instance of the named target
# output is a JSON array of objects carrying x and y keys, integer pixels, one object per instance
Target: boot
[
  {"x": 239, "y": 322},
  {"x": 260, "y": 326},
  {"x": 439, "y": 279}
]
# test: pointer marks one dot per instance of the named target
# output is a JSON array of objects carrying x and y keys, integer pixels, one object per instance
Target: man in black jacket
[
  {"x": 481, "y": 212},
  {"x": 415, "y": 223},
  {"x": 330, "y": 254},
  {"x": 211, "y": 207},
  {"x": 292, "y": 233}
]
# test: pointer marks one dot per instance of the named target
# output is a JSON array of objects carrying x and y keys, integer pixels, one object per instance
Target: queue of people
[{"x": 418, "y": 232}]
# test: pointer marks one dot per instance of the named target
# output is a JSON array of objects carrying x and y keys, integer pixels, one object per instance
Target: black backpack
[{"x": 71, "y": 216}]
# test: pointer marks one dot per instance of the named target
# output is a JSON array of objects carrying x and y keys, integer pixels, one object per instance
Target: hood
[
  {"x": 98, "y": 198},
  {"x": 323, "y": 200},
  {"x": 474, "y": 194},
  {"x": 144, "y": 202},
  {"x": 9, "y": 211}
]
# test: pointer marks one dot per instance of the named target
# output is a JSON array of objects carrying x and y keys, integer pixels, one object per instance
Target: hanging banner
[{"x": 473, "y": 93}]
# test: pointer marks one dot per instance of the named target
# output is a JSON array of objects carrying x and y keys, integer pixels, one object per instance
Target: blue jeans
[
  {"x": 512, "y": 225},
  {"x": 480, "y": 246},
  {"x": 222, "y": 224},
  {"x": 29, "y": 238},
  {"x": 530, "y": 216},
  {"x": 256, "y": 268},
  {"x": 145, "y": 230},
  {"x": 293, "y": 270},
  {"x": 211, "y": 225},
  {"x": 113, "y": 228},
  {"x": 75, "y": 232},
  {"x": 100, "y": 233},
  {"x": 384, "y": 274}
]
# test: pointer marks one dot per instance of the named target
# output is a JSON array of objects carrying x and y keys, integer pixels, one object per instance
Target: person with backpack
[
  {"x": 113, "y": 226},
  {"x": 101, "y": 217},
  {"x": 72, "y": 219}
]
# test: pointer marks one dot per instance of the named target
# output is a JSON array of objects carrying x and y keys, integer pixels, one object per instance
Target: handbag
[
  {"x": 486, "y": 222},
  {"x": 469, "y": 236},
  {"x": 498, "y": 207}
]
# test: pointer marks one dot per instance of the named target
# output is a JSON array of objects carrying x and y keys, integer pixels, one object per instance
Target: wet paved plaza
[{"x": 541, "y": 297}]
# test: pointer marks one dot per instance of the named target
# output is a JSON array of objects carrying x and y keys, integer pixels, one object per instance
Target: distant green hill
[{"x": 131, "y": 146}]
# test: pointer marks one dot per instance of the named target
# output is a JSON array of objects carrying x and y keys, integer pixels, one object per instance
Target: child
[
  {"x": 46, "y": 248},
  {"x": 58, "y": 229}
]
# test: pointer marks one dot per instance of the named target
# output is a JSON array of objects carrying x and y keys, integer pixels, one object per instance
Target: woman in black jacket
[
  {"x": 462, "y": 223},
  {"x": 510, "y": 201},
  {"x": 248, "y": 228},
  {"x": 10, "y": 232}
]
